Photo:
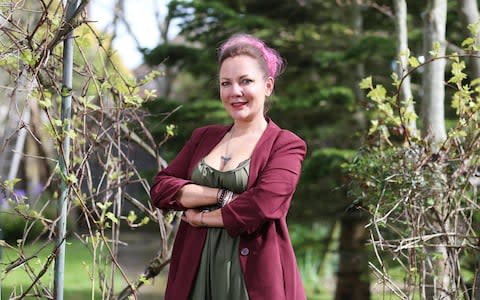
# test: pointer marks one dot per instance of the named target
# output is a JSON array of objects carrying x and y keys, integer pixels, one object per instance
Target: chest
[
  {"x": 209, "y": 147},
  {"x": 232, "y": 151}
]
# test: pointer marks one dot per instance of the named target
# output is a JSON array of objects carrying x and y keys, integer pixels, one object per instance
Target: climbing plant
[
  {"x": 421, "y": 197},
  {"x": 105, "y": 189}
]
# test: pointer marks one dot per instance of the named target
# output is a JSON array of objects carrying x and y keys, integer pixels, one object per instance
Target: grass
[
  {"x": 77, "y": 278},
  {"x": 78, "y": 283}
]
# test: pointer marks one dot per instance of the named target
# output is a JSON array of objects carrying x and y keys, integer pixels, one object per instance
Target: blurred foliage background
[{"x": 329, "y": 47}]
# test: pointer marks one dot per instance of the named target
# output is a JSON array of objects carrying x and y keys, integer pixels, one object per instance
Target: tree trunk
[
  {"x": 437, "y": 270},
  {"x": 357, "y": 25},
  {"x": 435, "y": 19},
  {"x": 469, "y": 12},
  {"x": 353, "y": 280},
  {"x": 402, "y": 47}
]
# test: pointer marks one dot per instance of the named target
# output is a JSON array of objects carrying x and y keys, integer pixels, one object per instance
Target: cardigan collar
[{"x": 260, "y": 152}]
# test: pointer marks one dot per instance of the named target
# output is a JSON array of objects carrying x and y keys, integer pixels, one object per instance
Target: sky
[{"x": 140, "y": 14}]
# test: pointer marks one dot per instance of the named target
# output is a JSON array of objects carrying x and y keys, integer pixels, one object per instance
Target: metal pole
[{"x": 71, "y": 7}]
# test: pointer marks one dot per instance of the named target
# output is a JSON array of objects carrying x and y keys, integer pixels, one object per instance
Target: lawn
[
  {"x": 78, "y": 283},
  {"x": 78, "y": 270}
]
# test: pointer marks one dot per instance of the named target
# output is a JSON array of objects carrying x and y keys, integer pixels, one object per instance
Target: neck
[{"x": 255, "y": 126}]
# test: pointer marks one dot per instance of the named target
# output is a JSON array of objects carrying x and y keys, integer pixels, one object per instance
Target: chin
[{"x": 239, "y": 115}]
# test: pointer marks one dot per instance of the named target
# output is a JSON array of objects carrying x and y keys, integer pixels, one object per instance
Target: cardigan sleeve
[
  {"x": 170, "y": 180},
  {"x": 269, "y": 198}
]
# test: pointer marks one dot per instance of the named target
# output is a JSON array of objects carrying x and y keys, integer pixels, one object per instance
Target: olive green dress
[{"x": 220, "y": 276}]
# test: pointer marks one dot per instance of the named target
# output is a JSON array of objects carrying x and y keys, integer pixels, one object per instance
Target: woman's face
[{"x": 243, "y": 88}]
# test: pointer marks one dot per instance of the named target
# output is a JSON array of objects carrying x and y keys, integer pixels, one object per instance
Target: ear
[{"x": 269, "y": 85}]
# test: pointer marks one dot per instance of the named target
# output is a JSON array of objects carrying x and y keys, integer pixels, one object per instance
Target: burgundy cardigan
[{"x": 257, "y": 216}]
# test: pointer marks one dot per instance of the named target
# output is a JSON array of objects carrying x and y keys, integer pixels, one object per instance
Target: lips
[{"x": 238, "y": 104}]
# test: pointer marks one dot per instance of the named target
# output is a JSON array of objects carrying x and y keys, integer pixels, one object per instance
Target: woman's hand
[{"x": 193, "y": 217}]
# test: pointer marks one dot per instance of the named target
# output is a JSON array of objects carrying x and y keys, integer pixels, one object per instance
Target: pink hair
[{"x": 271, "y": 57}]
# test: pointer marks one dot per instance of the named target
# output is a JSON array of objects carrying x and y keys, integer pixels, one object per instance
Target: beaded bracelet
[
  {"x": 224, "y": 197},
  {"x": 220, "y": 197}
]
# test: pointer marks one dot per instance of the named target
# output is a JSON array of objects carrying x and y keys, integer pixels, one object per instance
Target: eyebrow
[{"x": 241, "y": 77}]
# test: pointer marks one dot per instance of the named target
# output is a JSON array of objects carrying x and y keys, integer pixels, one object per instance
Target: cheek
[{"x": 223, "y": 94}]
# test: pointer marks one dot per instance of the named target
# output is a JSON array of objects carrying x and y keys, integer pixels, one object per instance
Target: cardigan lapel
[
  {"x": 212, "y": 136},
  {"x": 260, "y": 154},
  {"x": 262, "y": 151}
]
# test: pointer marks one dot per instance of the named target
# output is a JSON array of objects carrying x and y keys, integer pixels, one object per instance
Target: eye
[
  {"x": 224, "y": 83},
  {"x": 246, "y": 81}
]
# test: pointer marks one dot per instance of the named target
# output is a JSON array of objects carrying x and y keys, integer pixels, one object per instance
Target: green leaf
[
  {"x": 373, "y": 127},
  {"x": 22, "y": 208},
  {"x": 71, "y": 134},
  {"x": 170, "y": 130},
  {"x": 135, "y": 100},
  {"x": 132, "y": 217},
  {"x": 105, "y": 85},
  {"x": 475, "y": 82},
  {"x": 457, "y": 133},
  {"x": 111, "y": 217},
  {"x": 87, "y": 102},
  {"x": 413, "y": 62},
  {"x": 143, "y": 279},
  {"x": 473, "y": 28},
  {"x": 145, "y": 221},
  {"x": 72, "y": 178},
  {"x": 395, "y": 79},
  {"x": 410, "y": 116},
  {"x": 169, "y": 216},
  {"x": 115, "y": 175},
  {"x": 405, "y": 53},
  {"x": 458, "y": 74},
  {"x": 66, "y": 91},
  {"x": 46, "y": 103},
  {"x": 57, "y": 122},
  {"x": 151, "y": 76},
  {"x": 10, "y": 183},
  {"x": 104, "y": 206},
  {"x": 468, "y": 43},
  {"x": 366, "y": 83},
  {"x": 149, "y": 94},
  {"x": 28, "y": 57},
  {"x": 55, "y": 19},
  {"x": 435, "y": 52},
  {"x": 378, "y": 94},
  {"x": 83, "y": 37}
]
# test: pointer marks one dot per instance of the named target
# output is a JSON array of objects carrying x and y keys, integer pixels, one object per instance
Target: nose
[{"x": 236, "y": 90}]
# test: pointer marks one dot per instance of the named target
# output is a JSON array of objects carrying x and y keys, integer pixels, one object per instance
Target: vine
[
  {"x": 422, "y": 199},
  {"x": 106, "y": 127}
]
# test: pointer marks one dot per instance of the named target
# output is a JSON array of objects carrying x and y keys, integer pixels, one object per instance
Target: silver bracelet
[
  {"x": 228, "y": 198},
  {"x": 224, "y": 197}
]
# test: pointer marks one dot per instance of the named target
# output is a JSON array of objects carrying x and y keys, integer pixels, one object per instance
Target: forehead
[{"x": 240, "y": 65}]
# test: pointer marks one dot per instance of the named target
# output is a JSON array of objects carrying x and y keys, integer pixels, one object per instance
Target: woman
[{"x": 235, "y": 184}]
